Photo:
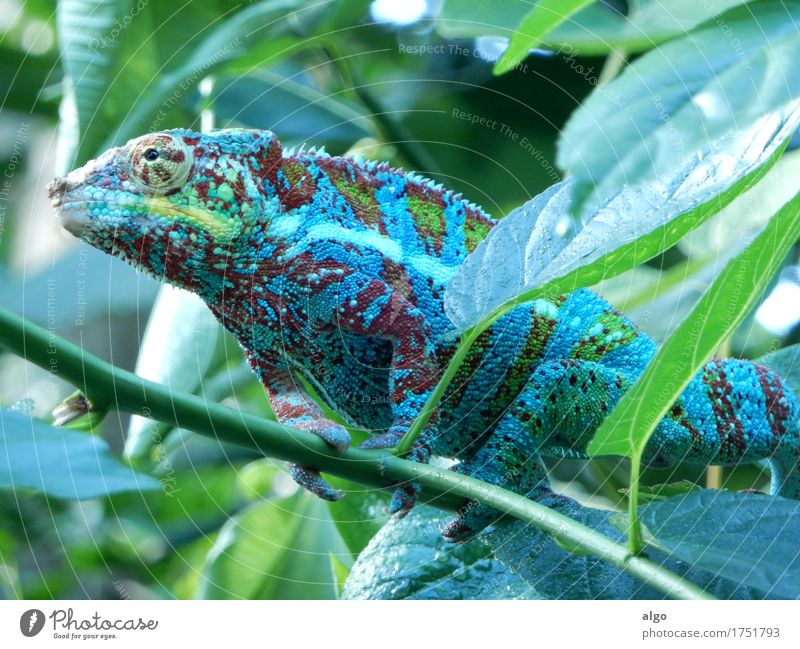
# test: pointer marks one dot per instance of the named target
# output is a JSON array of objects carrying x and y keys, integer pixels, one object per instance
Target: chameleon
[{"x": 330, "y": 271}]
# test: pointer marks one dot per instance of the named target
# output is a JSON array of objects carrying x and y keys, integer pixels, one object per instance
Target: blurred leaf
[
  {"x": 674, "y": 104},
  {"x": 251, "y": 550},
  {"x": 99, "y": 109},
  {"x": 748, "y": 538},
  {"x": 409, "y": 559},
  {"x": 339, "y": 571},
  {"x": 61, "y": 462},
  {"x": 292, "y": 107},
  {"x": 91, "y": 57},
  {"x": 360, "y": 514},
  {"x": 273, "y": 550},
  {"x": 597, "y": 29},
  {"x": 737, "y": 288},
  {"x": 181, "y": 343},
  {"x": 556, "y": 574},
  {"x": 20, "y": 74},
  {"x": 307, "y": 572},
  {"x": 533, "y": 250},
  {"x": 82, "y": 285},
  {"x": 545, "y": 16},
  {"x": 256, "y": 478}
]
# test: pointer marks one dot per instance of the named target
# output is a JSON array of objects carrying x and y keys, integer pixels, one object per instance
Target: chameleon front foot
[{"x": 311, "y": 480}]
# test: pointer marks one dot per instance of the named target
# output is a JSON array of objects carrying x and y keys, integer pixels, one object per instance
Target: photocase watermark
[
  {"x": 506, "y": 131},
  {"x": 569, "y": 55},
  {"x": 101, "y": 41},
  {"x": 167, "y": 480},
  {"x": 67, "y": 626}
]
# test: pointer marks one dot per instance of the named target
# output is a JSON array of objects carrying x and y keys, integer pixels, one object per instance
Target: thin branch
[{"x": 106, "y": 385}]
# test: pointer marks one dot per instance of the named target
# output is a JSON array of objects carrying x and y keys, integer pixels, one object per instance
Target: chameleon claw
[
  {"x": 311, "y": 480},
  {"x": 403, "y": 500}
]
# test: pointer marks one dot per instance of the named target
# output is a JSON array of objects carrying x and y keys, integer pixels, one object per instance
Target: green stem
[
  {"x": 634, "y": 526},
  {"x": 407, "y": 441},
  {"x": 105, "y": 384},
  {"x": 615, "y": 61}
]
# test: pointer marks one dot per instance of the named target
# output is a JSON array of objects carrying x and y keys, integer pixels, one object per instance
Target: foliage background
[{"x": 408, "y": 82}]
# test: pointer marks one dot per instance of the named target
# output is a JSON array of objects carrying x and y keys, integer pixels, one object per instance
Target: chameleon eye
[{"x": 160, "y": 163}]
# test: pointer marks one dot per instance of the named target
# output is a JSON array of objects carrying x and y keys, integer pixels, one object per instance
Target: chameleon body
[{"x": 333, "y": 270}]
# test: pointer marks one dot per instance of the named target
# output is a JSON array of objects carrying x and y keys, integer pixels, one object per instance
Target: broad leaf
[
  {"x": 542, "y": 19},
  {"x": 748, "y": 538},
  {"x": 672, "y": 104},
  {"x": 535, "y": 246},
  {"x": 409, "y": 559},
  {"x": 557, "y": 574},
  {"x": 61, "y": 462},
  {"x": 737, "y": 288}
]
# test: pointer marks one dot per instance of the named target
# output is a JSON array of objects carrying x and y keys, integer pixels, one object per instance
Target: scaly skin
[{"x": 334, "y": 270}]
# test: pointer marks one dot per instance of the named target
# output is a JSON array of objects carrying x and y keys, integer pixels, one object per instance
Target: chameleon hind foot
[
  {"x": 311, "y": 480},
  {"x": 405, "y": 495}
]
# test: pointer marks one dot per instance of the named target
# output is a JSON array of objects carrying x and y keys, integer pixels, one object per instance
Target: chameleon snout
[{"x": 71, "y": 215}]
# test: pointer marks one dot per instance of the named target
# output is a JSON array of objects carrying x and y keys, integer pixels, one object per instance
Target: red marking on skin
[
  {"x": 191, "y": 141},
  {"x": 776, "y": 403},
  {"x": 719, "y": 393}
]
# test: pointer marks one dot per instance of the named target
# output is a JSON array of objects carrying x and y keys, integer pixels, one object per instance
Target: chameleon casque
[{"x": 334, "y": 269}]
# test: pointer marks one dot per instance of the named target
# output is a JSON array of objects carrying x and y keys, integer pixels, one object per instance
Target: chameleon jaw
[
  {"x": 74, "y": 216},
  {"x": 221, "y": 229}
]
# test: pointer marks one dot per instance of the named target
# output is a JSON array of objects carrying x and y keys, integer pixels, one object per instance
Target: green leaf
[
  {"x": 181, "y": 343},
  {"x": 61, "y": 462},
  {"x": 673, "y": 103},
  {"x": 737, "y": 288},
  {"x": 595, "y": 30},
  {"x": 533, "y": 250},
  {"x": 555, "y": 574},
  {"x": 748, "y": 538},
  {"x": 409, "y": 559},
  {"x": 251, "y": 550},
  {"x": 545, "y": 16}
]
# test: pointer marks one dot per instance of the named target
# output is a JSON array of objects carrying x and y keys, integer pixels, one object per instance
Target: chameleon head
[{"x": 180, "y": 205}]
